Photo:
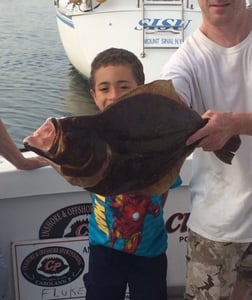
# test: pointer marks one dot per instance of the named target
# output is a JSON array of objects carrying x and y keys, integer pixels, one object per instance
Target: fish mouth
[
  {"x": 55, "y": 123},
  {"x": 54, "y": 146},
  {"x": 57, "y": 135},
  {"x": 44, "y": 141}
]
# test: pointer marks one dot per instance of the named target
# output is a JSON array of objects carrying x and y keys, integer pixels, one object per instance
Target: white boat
[{"x": 151, "y": 29}]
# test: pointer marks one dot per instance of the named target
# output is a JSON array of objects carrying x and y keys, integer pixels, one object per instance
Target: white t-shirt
[{"x": 208, "y": 76}]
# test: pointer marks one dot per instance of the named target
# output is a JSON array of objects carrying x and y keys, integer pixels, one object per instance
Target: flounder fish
[{"x": 136, "y": 145}]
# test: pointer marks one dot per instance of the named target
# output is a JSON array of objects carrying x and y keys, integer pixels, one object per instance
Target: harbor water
[{"x": 36, "y": 79}]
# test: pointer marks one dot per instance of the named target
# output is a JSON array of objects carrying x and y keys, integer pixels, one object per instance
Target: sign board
[{"x": 50, "y": 269}]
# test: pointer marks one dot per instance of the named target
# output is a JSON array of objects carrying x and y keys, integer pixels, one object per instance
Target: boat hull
[
  {"x": 152, "y": 31},
  {"x": 39, "y": 207}
]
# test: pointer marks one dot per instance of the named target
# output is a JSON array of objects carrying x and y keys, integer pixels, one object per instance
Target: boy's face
[{"x": 111, "y": 82}]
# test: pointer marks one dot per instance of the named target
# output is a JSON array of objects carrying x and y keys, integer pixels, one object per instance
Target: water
[{"x": 36, "y": 78}]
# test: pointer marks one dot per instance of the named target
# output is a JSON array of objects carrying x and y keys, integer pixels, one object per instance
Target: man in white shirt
[{"x": 212, "y": 72}]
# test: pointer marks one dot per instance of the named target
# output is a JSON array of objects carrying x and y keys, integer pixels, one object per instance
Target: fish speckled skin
[{"x": 135, "y": 145}]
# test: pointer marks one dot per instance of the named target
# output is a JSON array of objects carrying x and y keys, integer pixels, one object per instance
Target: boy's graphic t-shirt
[{"x": 129, "y": 223}]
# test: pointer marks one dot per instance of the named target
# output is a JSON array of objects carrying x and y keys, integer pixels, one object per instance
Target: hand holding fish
[{"x": 216, "y": 133}]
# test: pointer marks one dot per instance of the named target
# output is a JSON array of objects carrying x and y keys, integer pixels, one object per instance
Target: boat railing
[{"x": 76, "y": 7}]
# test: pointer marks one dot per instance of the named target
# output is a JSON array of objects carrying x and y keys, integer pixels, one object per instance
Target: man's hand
[{"x": 215, "y": 133}]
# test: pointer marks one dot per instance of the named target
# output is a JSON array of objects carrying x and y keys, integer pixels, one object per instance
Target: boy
[{"x": 127, "y": 234}]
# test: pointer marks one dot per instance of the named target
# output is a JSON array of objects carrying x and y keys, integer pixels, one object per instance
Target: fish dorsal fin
[{"x": 163, "y": 88}]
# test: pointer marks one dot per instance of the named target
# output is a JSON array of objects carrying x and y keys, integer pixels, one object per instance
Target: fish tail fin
[{"x": 226, "y": 153}]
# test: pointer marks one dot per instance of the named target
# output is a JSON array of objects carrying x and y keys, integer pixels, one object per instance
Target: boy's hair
[{"x": 117, "y": 56}]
